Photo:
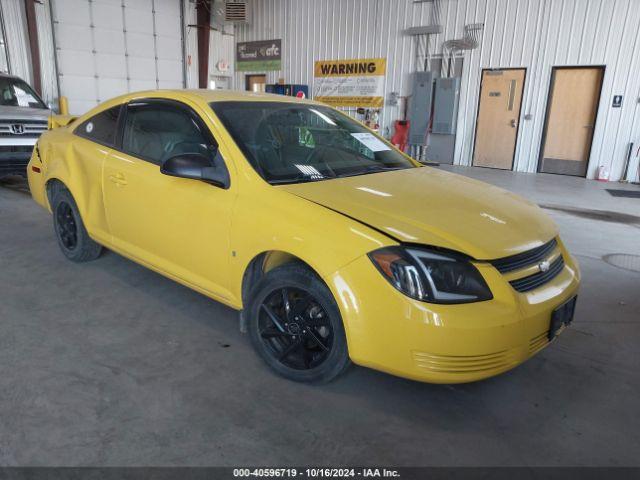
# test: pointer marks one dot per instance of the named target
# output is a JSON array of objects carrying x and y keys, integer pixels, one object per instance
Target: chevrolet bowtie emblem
[{"x": 544, "y": 266}]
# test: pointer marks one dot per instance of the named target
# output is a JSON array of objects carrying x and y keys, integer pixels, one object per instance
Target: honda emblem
[{"x": 17, "y": 128}]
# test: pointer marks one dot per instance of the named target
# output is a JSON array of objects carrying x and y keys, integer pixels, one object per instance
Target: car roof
[
  {"x": 212, "y": 96},
  {"x": 195, "y": 95},
  {"x": 236, "y": 96}
]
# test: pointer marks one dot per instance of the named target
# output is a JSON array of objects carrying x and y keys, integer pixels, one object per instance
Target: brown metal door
[
  {"x": 255, "y": 83},
  {"x": 575, "y": 93},
  {"x": 498, "y": 116}
]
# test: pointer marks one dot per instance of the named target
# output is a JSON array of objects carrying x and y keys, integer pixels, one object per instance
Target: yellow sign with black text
[{"x": 350, "y": 83}]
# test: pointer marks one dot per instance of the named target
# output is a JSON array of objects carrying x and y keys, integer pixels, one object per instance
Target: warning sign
[{"x": 350, "y": 83}]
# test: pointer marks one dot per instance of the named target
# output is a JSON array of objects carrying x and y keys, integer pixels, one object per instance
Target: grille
[
  {"x": 531, "y": 282},
  {"x": 525, "y": 259},
  {"x": 14, "y": 158},
  {"x": 16, "y": 148},
  {"x": 14, "y": 166},
  {"x": 24, "y": 122},
  {"x": 30, "y": 128},
  {"x": 465, "y": 364},
  {"x": 538, "y": 343}
]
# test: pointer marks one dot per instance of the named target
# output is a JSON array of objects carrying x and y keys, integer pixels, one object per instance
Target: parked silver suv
[{"x": 23, "y": 117}]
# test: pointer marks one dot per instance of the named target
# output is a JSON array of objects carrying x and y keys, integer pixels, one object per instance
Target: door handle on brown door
[
  {"x": 118, "y": 179},
  {"x": 514, "y": 124}
]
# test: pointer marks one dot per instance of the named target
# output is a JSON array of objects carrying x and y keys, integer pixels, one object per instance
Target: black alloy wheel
[
  {"x": 72, "y": 236},
  {"x": 295, "y": 328},
  {"x": 66, "y": 226},
  {"x": 295, "y": 325}
]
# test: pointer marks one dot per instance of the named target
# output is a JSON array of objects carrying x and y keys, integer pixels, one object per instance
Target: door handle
[
  {"x": 514, "y": 124},
  {"x": 118, "y": 179}
]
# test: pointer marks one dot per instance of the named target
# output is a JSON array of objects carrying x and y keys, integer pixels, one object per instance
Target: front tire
[
  {"x": 72, "y": 236},
  {"x": 296, "y": 327}
]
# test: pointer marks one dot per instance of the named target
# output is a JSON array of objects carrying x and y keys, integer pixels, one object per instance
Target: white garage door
[{"x": 108, "y": 47}]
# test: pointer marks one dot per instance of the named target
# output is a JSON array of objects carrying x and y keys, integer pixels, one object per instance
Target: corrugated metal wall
[
  {"x": 15, "y": 25},
  {"x": 535, "y": 34},
  {"x": 222, "y": 47},
  {"x": 4, "y": 55},
  {"x": 50, "y": 90}
]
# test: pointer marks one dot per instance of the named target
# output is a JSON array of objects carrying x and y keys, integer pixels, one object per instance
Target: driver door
[{"x": 177, "y": 226}]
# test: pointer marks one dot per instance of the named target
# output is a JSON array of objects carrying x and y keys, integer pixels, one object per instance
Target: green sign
[{"x": 259, "y": 65}]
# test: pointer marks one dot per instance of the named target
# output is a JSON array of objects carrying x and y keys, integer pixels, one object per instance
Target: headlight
[{"x": 431, "y": 276}]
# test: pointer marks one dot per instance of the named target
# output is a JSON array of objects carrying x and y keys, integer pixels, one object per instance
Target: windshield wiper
[
  {"x": 300, "y": 179},
  {"x": 372, "y": 170},
  {"x": 307, "y": 179}
]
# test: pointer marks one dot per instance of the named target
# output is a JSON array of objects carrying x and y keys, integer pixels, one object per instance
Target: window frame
[
  {"x": 78, "y": 129},
  {"x": 167, "y": 103}
]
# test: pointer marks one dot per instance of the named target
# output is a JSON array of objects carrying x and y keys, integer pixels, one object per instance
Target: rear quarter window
[{"x": 101, "y": 128}]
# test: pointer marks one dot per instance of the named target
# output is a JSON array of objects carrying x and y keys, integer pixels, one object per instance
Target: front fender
[{"x": 271, "y": 220}]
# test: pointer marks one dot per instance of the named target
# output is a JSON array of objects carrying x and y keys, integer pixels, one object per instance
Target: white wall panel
[
  {"x": 168, "y": 48},
  {"x": 105, "y": 48},
  {"x": 534, "y": 34},
  {"x": 111, "y": 87},
  {"x": 48, "y": 70},
  {"x": 222, "y": 47},
  {"x": 169, "y": 73}
]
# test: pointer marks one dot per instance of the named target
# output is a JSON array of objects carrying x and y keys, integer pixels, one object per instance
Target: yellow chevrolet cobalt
[{"x": 334, "y": 246}]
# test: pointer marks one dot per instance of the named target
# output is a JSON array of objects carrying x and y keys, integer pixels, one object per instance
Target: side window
[
  {"x": 101, "y": 128},
  {"x": 156, "y": 131}
]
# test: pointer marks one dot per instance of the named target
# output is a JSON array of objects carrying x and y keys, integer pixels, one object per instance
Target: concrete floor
[{"x": 108, "y": 363}]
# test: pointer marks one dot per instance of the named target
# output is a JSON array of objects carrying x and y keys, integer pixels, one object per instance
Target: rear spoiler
[{"x": 57, "y": 121}]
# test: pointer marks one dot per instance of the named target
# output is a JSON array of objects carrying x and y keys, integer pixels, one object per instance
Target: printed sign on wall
[
  {"x": 350, "y": 83},
  {"x": 259, "y": 56}
]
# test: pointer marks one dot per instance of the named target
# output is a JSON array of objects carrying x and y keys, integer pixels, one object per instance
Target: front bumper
[
  {"x": 391, "y": 332},
  {"x": 15, "y": 156}
]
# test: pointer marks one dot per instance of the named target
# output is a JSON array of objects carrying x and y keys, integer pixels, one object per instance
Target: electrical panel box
[
  {"x": 420, "y": 107},
  {"x": 441, "y": 148},
  {"x": 445, "y": 105}
]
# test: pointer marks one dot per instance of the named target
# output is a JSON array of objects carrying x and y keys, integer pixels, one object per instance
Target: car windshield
[
  {"x": 16, "y": 93},
  {"x": 293, "y": 143}
]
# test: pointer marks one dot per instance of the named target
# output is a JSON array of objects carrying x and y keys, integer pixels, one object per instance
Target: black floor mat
[{"x": 624, "y": 193}]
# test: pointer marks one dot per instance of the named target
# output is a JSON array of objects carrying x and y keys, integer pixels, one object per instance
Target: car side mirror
[{"x": 197, "y": 167}]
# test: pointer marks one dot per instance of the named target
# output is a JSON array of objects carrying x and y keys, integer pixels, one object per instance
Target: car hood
[
  {"x": 23, "y": 113},
  {"x": 433, "y": 207}
]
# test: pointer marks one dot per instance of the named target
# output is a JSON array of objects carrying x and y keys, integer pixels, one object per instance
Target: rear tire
[
  {"x": 72, "y": 236},
  {"x": 296, "y": 327}
]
